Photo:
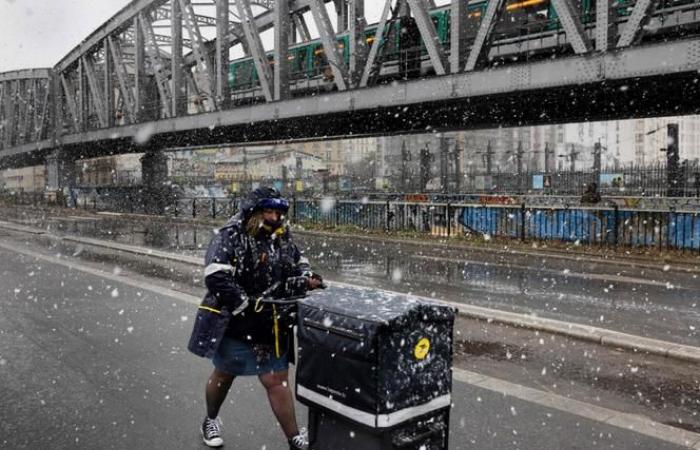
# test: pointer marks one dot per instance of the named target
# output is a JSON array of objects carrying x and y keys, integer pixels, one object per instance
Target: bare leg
[
  {"x": 281, "y": 401},
  {"x": 217, "y": 387}
]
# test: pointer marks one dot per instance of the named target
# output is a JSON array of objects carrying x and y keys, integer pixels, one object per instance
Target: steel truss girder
[
  {"x": 11, "y": 114},
  {"x": 164, "y": 13},
  {"x": 10, "y": 117},
  {"x": 95, "y": 91},
  {"x": 108, "y": 83},
  {"x": 125, "y": 87},
  {"x": 32, "y": 126},
  {"x": 301, "y": 27},
  {"x": 69, "y": 96},
  {"x": 201, "y": 54},
  {"x": 221, "y": 59},
  {"x": 122, "y": 21},
  {"x": 3, "y": 123},
  {"x": 458, "y": 19},
  {"x": 44, "y": 116},
  {"x": 23, "y": 101},
  {"x": 330, "y": 44},
  {"x": 429, "y": 35},
  {"x": 494, "y": 9},
  {"x": 179, "y": 88},
  {"x": 158, "y": 66},
  {"x": 603, "y": 17},
  {"x": 635, "y": 63},
  {"x": 572, "y": 26},
  {"x": 640, "y": 13},
  {"x": 255, "y": 46},
  {"x": 358, "y": 51},
  {"x": 371, "y": 66},
  {"x": 281, "y": 67}
]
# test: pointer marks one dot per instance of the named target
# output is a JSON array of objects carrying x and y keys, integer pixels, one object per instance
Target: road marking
[
  {"x": 100, "y": 273},
  {"x": 588, "y": 333},
  {"x": 632, "y": 422},
  {"x": 626, "y": 421},
  {"x": 560, "y": 273}
]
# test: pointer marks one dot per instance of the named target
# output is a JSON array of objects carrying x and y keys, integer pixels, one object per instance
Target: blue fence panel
[
  {"x": 566, "y": 225},
  {"x": 684, "y": 230},
  {"x": 488, "y": 220}
]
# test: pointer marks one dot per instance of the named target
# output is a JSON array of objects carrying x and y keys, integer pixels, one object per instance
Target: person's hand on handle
[{"x": 315, "y": 281}]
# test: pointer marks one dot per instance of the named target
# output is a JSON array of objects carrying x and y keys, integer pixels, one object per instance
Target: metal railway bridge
[{"x": 157, "y": 75}]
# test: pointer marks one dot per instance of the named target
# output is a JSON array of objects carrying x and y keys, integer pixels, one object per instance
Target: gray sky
[{"x": 38, "y": 33}]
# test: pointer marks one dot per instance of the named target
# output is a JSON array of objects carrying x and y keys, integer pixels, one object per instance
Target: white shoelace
[
  {"x": 301, "y": 440},
  {"x": 212, "y": 428}
]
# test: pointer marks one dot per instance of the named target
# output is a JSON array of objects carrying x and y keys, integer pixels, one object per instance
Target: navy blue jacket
[{"x": 239, "y": 268}]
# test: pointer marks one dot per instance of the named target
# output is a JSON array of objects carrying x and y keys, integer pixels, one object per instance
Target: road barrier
[
  {"x": 586, "y": 225},
  {"x": 665, "y": 229}
]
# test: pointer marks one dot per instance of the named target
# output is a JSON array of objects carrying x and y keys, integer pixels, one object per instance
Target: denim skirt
[{"x": 238, "y": 358}]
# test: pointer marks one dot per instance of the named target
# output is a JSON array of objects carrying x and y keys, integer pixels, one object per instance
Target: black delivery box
[{"x": 378, "y": 359}]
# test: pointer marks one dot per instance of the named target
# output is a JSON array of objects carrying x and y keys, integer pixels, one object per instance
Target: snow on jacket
[{"x": 239, "y": 268}]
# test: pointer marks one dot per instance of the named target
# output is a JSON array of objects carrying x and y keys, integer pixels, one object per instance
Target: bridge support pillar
[
  {"x": 60, "y": 171},
  {"x": 154, "y": 173}
]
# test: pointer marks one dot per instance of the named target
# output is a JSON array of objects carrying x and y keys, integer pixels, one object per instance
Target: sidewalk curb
[{"x": 601, "y": 336}]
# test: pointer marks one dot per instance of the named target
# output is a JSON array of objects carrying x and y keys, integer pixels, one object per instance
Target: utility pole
[
  {"x": 297, "y": 174},
  {"x": 455, "y": 161},
  {"x": 285, "y": 176},
  {"x": 597, "y": 156},
  {"x": 519, "y": 158},
  {"x": 489, "y": 158},
  {"x": 573, "y": 155},
  {"x": 245, "y": 170},
  {"x": 444, "y": 176},
  {"x": 405, "y": 157},
  {"x": 425, "y": 159},
  {"x": 672, "y": 159},
  {"x": 548, "y": 153}
]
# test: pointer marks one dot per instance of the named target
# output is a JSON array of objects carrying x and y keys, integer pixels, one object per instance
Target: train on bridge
[{"x": 405, "y": 56}]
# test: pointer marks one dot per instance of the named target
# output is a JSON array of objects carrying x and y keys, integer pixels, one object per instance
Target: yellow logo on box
[{"x": 422, "y": 348}]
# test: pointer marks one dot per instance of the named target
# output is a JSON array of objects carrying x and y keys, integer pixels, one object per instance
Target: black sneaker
[
  {"x": 300, "y": 441},
  {"x": 211, "y": 432}
]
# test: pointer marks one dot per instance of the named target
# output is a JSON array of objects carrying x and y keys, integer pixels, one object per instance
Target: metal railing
[{"x": 604, "y": 226}]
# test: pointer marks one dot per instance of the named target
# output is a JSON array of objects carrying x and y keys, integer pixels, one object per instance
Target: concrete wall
[{"x": 26, "y": 179}]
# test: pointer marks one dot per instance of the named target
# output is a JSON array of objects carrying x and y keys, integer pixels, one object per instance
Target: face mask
[{"x": 270, "y": 226}]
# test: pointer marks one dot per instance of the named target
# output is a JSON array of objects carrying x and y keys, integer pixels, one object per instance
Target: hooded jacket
[{"x": 239, "y": 268}]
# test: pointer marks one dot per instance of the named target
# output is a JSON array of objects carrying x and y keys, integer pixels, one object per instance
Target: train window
[
  {"x": 300, "y": 61},
  {"x": 244, "y": 74},
  {"x": 320, "y": 59}
]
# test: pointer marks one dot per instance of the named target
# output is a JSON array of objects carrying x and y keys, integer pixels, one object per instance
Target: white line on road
[
  {"x": 560, "y": 273},
  {"x": 632, "y": 422},
  {"x": 100, "y": 273}
]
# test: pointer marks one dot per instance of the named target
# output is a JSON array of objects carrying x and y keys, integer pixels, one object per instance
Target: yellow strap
[
  {"x": 276, "y": 329},
  {"x": 210, "y": 309}
]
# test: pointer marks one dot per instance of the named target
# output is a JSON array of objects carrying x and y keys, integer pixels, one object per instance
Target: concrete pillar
[
  {"x": 60, "y": 171},
  {"x": 154, "y": 175}
]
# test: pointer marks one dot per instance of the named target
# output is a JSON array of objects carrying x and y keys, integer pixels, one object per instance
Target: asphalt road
[
  {"x": 653, "y": 302},
  {"x": 97, "y": 359}
]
